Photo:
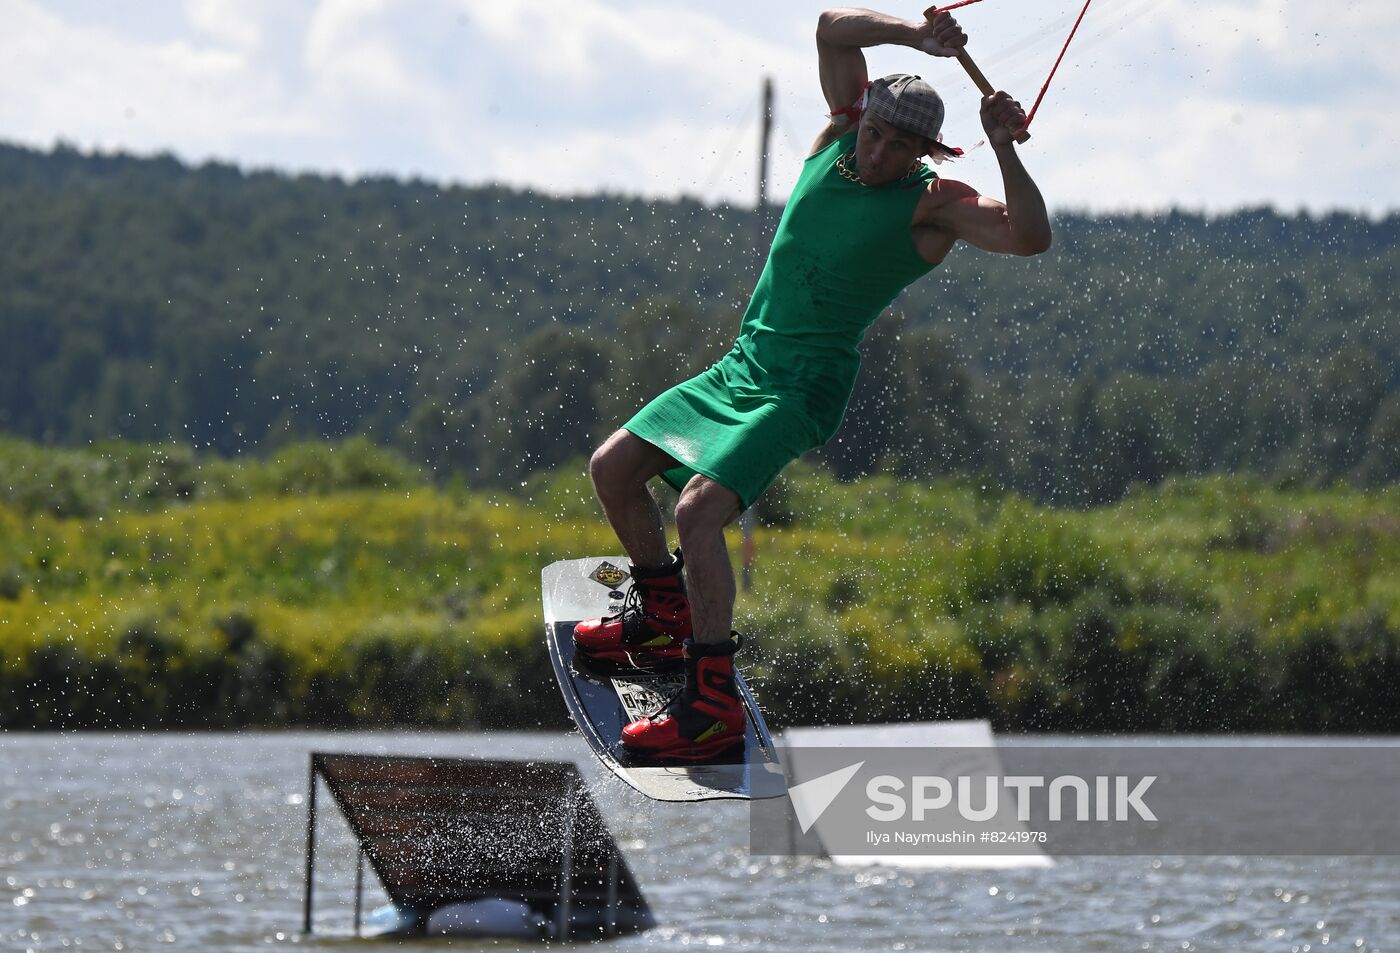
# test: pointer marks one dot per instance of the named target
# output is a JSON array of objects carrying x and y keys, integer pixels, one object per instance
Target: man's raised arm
[
  {"x": 1020, "y": 225},
  {"x": 843, "y": 33}
]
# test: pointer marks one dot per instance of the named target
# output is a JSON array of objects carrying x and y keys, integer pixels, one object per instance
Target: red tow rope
[{"x": 1030, "y": 115}]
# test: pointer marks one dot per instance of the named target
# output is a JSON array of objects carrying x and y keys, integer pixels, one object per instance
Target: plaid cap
[{"x": 908, "y": 103}]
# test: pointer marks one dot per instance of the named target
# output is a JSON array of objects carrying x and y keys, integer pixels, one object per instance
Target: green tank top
[{"x": 842, "y": 253}]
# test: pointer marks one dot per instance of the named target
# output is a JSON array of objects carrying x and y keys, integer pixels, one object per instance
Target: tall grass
[{"x": 333, "y": 586}]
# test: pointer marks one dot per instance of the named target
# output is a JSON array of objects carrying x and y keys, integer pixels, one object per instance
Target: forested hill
[{"x": 490, "y": 332}]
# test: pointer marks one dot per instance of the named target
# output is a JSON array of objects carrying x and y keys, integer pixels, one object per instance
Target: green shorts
[{"x": 722, "y": 425}]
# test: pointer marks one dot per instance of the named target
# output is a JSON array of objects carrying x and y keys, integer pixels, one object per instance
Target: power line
[{"x": 728, "y": 152}]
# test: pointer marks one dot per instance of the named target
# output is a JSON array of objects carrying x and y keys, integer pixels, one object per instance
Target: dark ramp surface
[{"x": 443, "y": 830}]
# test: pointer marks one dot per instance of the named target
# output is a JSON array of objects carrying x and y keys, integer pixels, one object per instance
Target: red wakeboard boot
[
  {"x": 648, "y": 632},
  {"x": 706, "y": 718}
]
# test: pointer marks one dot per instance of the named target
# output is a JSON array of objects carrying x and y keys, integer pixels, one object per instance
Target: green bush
[
  {"x": 324, "y": 599},
  {"x": 115, "y": 476}
]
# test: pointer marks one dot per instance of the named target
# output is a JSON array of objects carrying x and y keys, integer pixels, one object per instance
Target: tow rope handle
[{"x": 979, "y": 79}]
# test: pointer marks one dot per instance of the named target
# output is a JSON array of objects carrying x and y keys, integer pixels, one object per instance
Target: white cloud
[
  {"x": 225, "y": 21},
  {"x": 66, "y": 80},
  {"x": 1159, "y": 102},
  {"x": 582, "y": 40},
  {"x": 350, "y": 48}
]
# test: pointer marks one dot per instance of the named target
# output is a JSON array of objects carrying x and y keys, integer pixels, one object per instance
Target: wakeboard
[{"x": 601, "y": 703}]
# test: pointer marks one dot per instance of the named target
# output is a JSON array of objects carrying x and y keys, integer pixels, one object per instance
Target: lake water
[{"x": 195, "y": 842}]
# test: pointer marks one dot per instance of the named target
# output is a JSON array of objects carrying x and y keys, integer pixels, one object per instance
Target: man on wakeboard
[{"x": 866, "y": 219}]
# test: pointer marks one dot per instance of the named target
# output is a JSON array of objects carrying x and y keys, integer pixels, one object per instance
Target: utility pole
[
  {"x": 764, "y": 135},
  {"x": 761, "y": 233}
]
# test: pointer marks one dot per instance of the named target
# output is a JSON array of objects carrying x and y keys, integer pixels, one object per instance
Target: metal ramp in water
[{"x": 445, "y": 834}]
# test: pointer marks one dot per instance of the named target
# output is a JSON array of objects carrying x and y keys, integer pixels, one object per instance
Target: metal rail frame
[{"x": 563, "y": 912}]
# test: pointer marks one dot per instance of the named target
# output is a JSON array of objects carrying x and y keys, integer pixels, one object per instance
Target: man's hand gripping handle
[{"x": 1018, "y": 132}]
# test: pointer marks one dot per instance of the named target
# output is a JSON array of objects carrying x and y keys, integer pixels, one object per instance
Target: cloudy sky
[{"x": 1204, "y": 105}]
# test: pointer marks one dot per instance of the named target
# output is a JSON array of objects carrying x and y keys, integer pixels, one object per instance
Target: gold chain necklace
[{"x": 852, "y": 175}]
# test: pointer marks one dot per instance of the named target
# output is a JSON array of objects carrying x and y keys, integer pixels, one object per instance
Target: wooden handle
[
  {"x": 979, "y": 79},
  {"x": 986, "y": 88}
]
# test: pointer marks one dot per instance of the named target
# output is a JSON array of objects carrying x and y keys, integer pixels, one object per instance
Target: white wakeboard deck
[{"x": 578, "y": 589}]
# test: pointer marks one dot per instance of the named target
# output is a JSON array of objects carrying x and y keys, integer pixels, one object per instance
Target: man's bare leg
[
  {"x": 620, "y": 469},
  {"x": 704, "y": 510},
  {"x": 706, "y": 718}
]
